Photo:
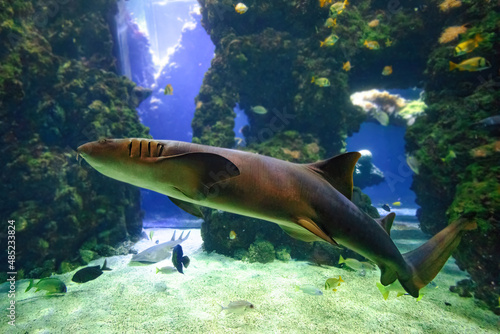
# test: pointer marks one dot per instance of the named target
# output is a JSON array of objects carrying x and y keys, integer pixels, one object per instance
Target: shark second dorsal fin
[
  {"x": 338, "y": 171},
  {"x": 386, "y": 222}
]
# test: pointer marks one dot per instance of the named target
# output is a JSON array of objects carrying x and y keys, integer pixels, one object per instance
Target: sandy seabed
[{"x": 134, "y": 299}]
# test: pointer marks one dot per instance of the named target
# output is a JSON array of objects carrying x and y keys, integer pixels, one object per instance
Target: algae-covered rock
[
  {"x": 261, "y": 251},
  {"x": 283, "y": 253}
]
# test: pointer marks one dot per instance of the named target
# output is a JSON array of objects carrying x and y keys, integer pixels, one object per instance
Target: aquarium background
[{"x": 72, "y": 72}]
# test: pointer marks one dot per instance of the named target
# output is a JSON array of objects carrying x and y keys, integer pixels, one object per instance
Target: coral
[
  {"x": 59, "y": 89},
  {"x": 451, "y": 33},
  {"x": 283, "y": 253},
  {"x": 261, "y": 251}
]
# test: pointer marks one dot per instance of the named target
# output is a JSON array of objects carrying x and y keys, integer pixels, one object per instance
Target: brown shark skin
[{"x": 294, "y": 196}]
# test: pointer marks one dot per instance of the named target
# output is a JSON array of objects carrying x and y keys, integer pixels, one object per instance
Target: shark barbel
[{"x": 310, "y": 202}]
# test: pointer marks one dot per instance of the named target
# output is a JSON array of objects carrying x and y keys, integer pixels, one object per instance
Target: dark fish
[
  {"x": 490, "y": 121},
  {"x": 386, "y": 207},
  {"x": 178, "y": 259},
  {"x": 89, "y": 273}
]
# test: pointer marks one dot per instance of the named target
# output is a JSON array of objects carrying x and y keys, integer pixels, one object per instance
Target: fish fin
[
  {"x": 452, "y": 66},
  {"x": 104, "y": 266},
  {"x": 427, "y": 260},
  {"x": 388, "y": 275},
  {"x": 190, "y": 208},
  {"x": 199, "y": 172},
  {"x": 386, "y": 222},
  {"x": 402, "y": 294},
  {"x": 185, "y": 261},
  {"x": 383, "y": 291},
  {"x": 338, "y": 171},
  {"x": 420, "y": 297},
  {"x": 334, "y": 289},
  {"x": 173, "y": 236},
  {"x": 306, "y": 230},
  {"x": 30, "y": 285}
]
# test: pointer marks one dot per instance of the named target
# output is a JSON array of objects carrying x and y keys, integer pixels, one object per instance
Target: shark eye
[{"x": 102, "y": 141}]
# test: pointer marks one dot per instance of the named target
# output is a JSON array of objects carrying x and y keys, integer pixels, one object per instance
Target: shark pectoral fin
[
  {"x": 338, "y": 171},
  {"x": 306, "y": 230},
  {"x": 198, "y": 172},
  {"x": 190, "y": 208}
]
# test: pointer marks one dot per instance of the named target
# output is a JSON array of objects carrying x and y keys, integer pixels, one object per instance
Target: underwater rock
[
  {"x": 464, "y": 288},
  {"x": 366, "y": 174},
  {"x": 261, "y": 251}
]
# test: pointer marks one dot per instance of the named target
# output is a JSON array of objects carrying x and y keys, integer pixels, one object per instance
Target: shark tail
[{"x": 426, "y": 261}]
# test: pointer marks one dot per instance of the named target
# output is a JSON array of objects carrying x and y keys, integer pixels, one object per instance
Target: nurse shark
[{"x": 310, "y": 202}]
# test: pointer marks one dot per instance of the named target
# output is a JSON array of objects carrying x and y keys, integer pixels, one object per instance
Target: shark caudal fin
[{"x": 427, "y": 260}]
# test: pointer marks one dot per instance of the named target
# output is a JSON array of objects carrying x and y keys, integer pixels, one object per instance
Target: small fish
[
  {"x": 178, "y": 259},
  {"x": 396, "y": 287},
  {"x": 169, "y": 90},
  {"x": 322, "y": 3},
  {"x": 333, "y": 283},
  {"x": 386, "y": 207},
  {"x": 309, "y": 289},
  {"x": 337, "y": 8},
  {"x": 372, "y": 45},
  {"x": 232, "y": 235},
  {"x": 238, "y": 140},
  {"x": 238, "y": 306},
  {"x": 329, "y": 41},
  {"x": 412, "y": 163},
  {"x": 151, "y": 233},
  {"x": 450, "y": 156},
  {"x": 330, "y": 23},
  {"x": 241, "y": 8},
  {"x": 50, "y": 284},
  {"x": 166, "y": 270},
  {"x": 493, "y": 121},
  {"x": 259, "y": 110},
  {"x": 322, "y": 82},
  {"x": 159, "y": 252},
  {"x": 387, "y": 70},
  {"x": 381, "y": 117},
  {"x": 347, "y": 66},
  {"x": 388, "y": 42},
  {"x": 396, "y": 203},
  {"x": 468, "y": 46},
  {"x": 356, "y": 265},
  {"x": 89, "y": 273},
  {"x": 472, "y": 65},
  {"x": 373, "y": 23}
]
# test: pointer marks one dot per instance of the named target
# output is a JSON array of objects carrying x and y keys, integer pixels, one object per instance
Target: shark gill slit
[
  {"x": 130, "y": 149},
  {"x": 161, "y": 149},
  {"x": 140, "y": 148},
  {"x": 149, "y": 148}
]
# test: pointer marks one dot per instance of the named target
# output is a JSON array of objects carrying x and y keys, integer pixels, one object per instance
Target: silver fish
[
  {"x": 238, "y": 306},
  {"x": 159, "y": 252}
]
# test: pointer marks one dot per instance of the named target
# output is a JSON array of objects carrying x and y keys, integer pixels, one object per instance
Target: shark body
[{"x": 310, "y": 202}]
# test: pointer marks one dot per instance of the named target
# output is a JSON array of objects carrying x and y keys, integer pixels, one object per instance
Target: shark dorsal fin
[
  {"x": 386, "y": 222},
  {"x": 338, "y": 171}
]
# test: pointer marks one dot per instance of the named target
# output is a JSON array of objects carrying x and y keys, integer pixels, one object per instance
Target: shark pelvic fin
[
  {"x": 198, "y": 172},
  {"x": 307, "y": 230},
  {"x": 190, "y": 208},
  {"x": 386, "y": 222},
  {"x": 338, "y": 171}
]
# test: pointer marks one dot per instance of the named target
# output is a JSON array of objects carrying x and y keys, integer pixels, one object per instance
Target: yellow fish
[
  {"x": 347, "y": 66},
  {"x": 329, "y": 41},
  {"x": 241, "y": 8},
  {"x": 337, "y": 8},
  {"x": 322, "y": 3},
  {"x": 232, "y": 235},
  {"x": 169, "y": 90},
  {"x": 387, "y": 70},
  {"x": 396, "y": 203},
  {"x": 330, "y": 23},
  {"x": 450, "y": 156},
  {"x": 333, "y": 283},
  {"x": 372, "y": 45},
  {"x": 472, "y": 65},
  {"x": 322, "y": 82},
  {"x": 468, "y": 46}
]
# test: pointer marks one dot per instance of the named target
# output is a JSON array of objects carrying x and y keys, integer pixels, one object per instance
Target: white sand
[{"x": 133, "y": 299}]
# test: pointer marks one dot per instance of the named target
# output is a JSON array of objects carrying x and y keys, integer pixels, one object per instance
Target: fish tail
[
  {"x": 221, "y": 308},
  {"x": 30, "y": 285},
  {"x": 104, "y": 267},
  {"x": 452, "y": 66},
  {"x": 312, "y": 80},
  {"x": 426, "y": 261},
  {"x": 340, "y": 279},
  {"x": 341, "y": 260},
  {"x": 383, "y": 291},
  {"x": 157, "y": 270},
  {"x": 321, "y": 43},
  {"x": 478, "y": 38}
]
